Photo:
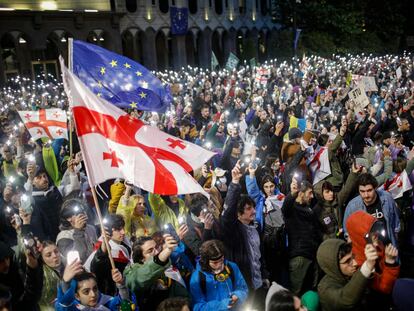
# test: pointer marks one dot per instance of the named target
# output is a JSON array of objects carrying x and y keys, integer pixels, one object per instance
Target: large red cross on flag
[
  {"x": 51, "y": 123},
  {"x": 116, "y": 145}
]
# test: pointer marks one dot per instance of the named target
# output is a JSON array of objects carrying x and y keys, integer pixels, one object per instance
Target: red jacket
[{"x": 358, "y": 225}]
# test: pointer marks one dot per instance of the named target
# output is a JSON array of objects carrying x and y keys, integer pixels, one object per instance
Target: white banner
[
  {"x": 369, "y": 84},
  {"x": 359, "y": 97}
]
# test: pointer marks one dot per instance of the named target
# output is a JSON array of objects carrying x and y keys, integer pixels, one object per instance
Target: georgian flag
[
  {"x": 319, "y": 165},
  {"x": 50, "y": 123},
  {"x": 397, "y": 185},
  {"x": 118, "y": 252},
  {"x": 116, "y": 145}
]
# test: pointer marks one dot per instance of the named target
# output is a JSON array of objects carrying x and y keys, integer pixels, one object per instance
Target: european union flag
[
  {"x": 119, "y": 80},
  {"x": 179, "y": 20}
]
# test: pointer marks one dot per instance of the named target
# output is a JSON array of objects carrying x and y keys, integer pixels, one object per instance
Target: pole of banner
[
  {"x": 95, "y": 200},
  {"x": 105, "y": 239},
  {"x": 70, "y": 66}
]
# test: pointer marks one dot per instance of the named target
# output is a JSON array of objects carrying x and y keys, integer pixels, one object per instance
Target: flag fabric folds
[
  {"x": 319, "y": 165},
  {"x": 116, "y": 145},
  {"x": 179, "y": 20},
  {"x": 50, "y": 123},
  {"x": 397, "y": 185},
  {"x": 119, "y": 80},
  {"x": 295, "y": 42},
  {"x": 232, "y": 62},
  {"x": 214, "y": 61}
]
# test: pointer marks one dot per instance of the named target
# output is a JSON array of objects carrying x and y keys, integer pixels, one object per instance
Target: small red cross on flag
[
  {"x": 176, "y": 143},
  {"x": 50, "y": 123},
  {"x": 111, "y": 155}
]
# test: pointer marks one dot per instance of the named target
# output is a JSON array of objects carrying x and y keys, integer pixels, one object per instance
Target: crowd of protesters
[{"x": 269, "y": 237}]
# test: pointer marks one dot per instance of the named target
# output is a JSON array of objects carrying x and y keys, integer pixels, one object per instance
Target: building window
[
  {"x": 218, "y": 5},
  {"x": 242, "y": 7},
  {"x": 263, "y": 7},
  {"x": 131, "y": 5},
  {"x": 164, "y": 6},
  {"x": 153, "y": 2},
  {"x": 192, "y": 6}
]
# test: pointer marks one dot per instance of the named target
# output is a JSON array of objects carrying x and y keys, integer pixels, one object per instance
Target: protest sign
[{"x": 359, "y": 97}]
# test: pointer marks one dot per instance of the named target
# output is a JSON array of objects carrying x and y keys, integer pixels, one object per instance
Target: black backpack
[{"x": 202, "y": 278}]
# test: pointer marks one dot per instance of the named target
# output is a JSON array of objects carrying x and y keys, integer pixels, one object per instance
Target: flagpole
[
  {"x": 105, "y": 238},
  {"x": 70, "y": 66}
]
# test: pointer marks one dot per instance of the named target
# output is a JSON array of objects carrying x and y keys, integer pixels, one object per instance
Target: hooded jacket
[
  {"x": 329, "y": 213},
  {"x": 389, "y": 209},
  {"x": 337, "y": 291},
  {"x": 359, "y": 224}
]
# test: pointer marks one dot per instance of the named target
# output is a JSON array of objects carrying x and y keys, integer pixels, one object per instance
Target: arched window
[
  {"x": 218, "y": 5},
  {"x": 192, "y": 6},
  {"x": 164, "y": 6},
  {"x": 263, "y": 7},
  {"x": 131, "y": 5},
  {"x": 242, "y": 7}
]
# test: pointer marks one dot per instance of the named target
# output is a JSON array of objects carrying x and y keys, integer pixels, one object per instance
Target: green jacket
[
  {"x": 144, "y": 280},
  {"x": 336, "y": 291},
  {"x": 330, "y": 214},
  {"x": 337, "y": 177},
  {"x": 163, "y": 214},
  {"x": 140, "y": 277},
  {"x": 51, "y": 281}
]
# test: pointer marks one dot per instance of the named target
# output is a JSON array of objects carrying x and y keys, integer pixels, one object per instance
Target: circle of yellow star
[
  {"x": 103, "y": 70},
  {"x": 127, "y": 65},
  {"x": 133, "y": 105},
  {"x": 114, "y": 63},
  {"x": 138, "y": 73},
  {"x": 143, "y": 95}
]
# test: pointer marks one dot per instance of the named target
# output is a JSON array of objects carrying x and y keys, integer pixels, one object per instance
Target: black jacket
[
  {"x": 302, "y": 228},
  {"x": 234, "y": 235},
  {"x": 46, "y": 213}
]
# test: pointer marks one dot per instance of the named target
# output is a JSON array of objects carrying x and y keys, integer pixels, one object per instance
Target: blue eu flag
[
  {"x": 179, "y": 20},
  {"x": 118, "y": 79}
]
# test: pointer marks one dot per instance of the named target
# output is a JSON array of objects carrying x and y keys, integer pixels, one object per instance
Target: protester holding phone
[
  {"x": 76, "y": 233},
  {"x": 46, "y": 253},
  {"x": 217, "y": 284},
  {"x": 365, "y": 231},
  {"x": 79, "y": 291},
  {"x": 147, "y": 276}
]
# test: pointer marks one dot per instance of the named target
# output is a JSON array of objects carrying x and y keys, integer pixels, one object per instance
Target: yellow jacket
[
  {"x": 163, "y": 214},
  {"x": 135, "y": 226}
]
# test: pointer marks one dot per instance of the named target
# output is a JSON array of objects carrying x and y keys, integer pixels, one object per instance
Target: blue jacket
[
  {"x": 259, "y": 198},
  {"x": 66, "y": 301},
  {"x": 217, "y": 294},
  {"x": 389, "y": 209}
]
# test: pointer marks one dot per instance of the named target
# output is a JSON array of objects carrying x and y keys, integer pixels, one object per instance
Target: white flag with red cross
[
  {"x": 51, "y": 123},
  {"x": 117, "y": 145},
  {"x": 318, "y": 164},
  {"x": 397, "y": 185}
]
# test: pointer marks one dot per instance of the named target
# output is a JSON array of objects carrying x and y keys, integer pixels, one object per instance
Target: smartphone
[
  {"x": 26, "y": 204},
  {"x": 30, "y": 244},
  {"x": 72, "y": 256},
  {"x": 169, "y": 229}
]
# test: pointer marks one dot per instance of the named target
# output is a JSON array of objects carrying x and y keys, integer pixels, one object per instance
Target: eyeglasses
[{"x": 349, "y": 261}]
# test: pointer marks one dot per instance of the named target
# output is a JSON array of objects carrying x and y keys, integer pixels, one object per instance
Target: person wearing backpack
[{"x": 217, "y": 284}]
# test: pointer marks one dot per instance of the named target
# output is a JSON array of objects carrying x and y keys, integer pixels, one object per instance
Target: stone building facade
[{"x": 32, "y": 37}]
